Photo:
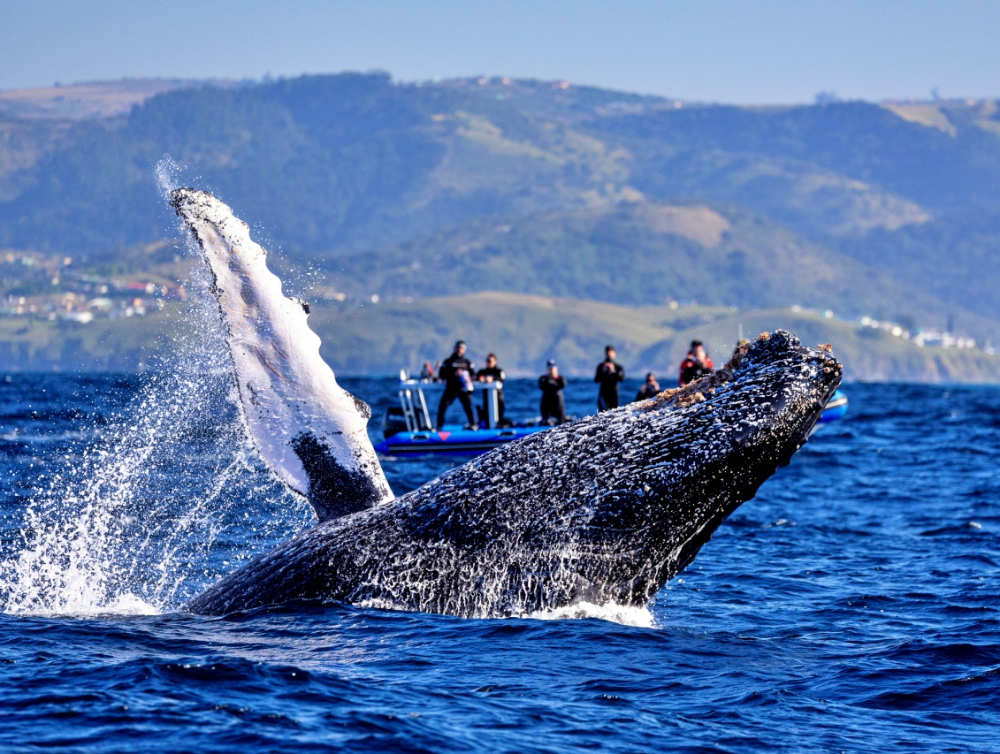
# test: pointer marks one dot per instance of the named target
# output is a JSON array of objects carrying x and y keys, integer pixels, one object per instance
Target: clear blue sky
[{"x": 770, "y": 51}]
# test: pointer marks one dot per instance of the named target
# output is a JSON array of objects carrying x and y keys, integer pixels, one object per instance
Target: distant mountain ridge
[{"x": 852, "y": 206}]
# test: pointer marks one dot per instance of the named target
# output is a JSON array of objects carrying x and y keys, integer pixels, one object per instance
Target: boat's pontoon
[{"x": 408, "y": 429}]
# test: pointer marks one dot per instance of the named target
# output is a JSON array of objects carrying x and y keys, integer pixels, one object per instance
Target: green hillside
[
  {"x": 523, "y": 330},
  {"x": 643, "y": 254},
  {"x": 325, "y": 161},
  {"x": 530, "y": 187},
  {"x": 964, "y": 269},
  {"x": 526, "y": 330}
]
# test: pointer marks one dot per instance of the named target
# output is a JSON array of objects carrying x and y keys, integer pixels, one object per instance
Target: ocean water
[{"x": 852, "y": 606}]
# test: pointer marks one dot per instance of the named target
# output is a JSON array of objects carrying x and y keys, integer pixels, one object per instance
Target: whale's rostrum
[
  {"x": 601, "y": 510},
  {"x": 310, "y": 432}
]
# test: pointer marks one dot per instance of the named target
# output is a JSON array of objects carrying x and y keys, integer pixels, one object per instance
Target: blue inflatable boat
[
  {"x": 408, "y": 431},
  {"x": 836, "y": 408}
]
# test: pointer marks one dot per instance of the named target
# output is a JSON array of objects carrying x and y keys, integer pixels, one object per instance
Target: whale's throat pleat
[{"x": 310, "y": 431}]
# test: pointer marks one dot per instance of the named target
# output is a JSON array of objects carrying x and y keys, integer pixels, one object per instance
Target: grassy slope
[
  {"x": 523, "y": 330},
  {"x": 527, "y": 330},
  {"x": 106, "y": 345},
  {"x": 954, "y": 258}
]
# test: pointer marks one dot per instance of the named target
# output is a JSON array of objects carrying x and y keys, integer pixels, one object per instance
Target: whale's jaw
[{"x": 602, "y": 510}]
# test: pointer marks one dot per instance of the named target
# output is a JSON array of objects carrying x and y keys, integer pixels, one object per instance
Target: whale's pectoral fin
[
  {"x": 334, "y": 489},
  {"x": 311, "y": 432}
]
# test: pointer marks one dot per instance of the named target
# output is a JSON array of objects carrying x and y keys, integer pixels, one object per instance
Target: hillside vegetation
[
  {"x": 523, "y": 330},
  {"x": 432, "y": 191},
  {"x": 641, "y": 254}
]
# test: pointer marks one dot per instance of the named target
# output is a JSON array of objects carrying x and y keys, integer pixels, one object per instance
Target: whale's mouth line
[{"x": 795, "y": 444}]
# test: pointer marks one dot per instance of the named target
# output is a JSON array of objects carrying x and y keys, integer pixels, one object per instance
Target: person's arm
[
  {"x": 561, "y": 382},
  {"x": 620, "y": 371},
  {"x": 502, "y": 376},
  {"x": 597, "y": 374}
]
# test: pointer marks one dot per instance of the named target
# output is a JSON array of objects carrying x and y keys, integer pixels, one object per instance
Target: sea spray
[{"x": 124, "y": 524}]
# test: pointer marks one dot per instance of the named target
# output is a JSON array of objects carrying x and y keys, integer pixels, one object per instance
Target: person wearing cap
[
  {"x": 695, "y": 365},
  {"x": 650, "y": 389},
  {"x": 493, "y": 373},
  {"x": 609, "y": 374},
  {"x": 551, "y": 384},
  {"x": 456, "y": 372}
]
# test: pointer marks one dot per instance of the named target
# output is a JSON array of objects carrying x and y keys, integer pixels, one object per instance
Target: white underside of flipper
[{"x": 310, "y": 431}]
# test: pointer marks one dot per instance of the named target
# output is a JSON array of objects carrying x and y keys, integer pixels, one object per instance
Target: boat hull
[
  {"x": 469, "y": 442},
  {"x": 836, "y": 408},
  {"x": 452, "y": 441}
]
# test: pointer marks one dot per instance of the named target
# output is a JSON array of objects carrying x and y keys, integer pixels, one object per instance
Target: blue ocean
[{"x": 851, "y": 607}]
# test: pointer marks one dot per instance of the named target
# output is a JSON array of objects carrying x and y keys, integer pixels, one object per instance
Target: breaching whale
[{"x": 605, "y": 509}]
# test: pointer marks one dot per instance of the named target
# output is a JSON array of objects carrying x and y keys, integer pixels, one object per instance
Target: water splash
[
  {"x": 625, "y": 615},
  {"x": 124, "y": 526},
  {"x": 639, "y": 617},
  {"x": 168, "y": 176}
]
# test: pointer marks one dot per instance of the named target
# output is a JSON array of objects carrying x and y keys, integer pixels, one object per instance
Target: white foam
[
  {"x": 640, "y": 617},
  {"x": 122, "y": 605},
  {"x": 625, "y": 615}
]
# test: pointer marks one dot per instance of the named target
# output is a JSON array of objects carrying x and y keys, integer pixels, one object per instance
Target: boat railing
[{"x": 414, "y": 404}]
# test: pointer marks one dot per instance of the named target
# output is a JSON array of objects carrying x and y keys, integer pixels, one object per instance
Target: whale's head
[
  {"x": 772, "y": 392},
  {"x": 706, "y": 449}
]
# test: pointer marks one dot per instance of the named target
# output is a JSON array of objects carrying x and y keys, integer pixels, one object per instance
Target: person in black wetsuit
[
  {"x": 456, "y": 372},
  {"x": 609, "y": 374},
  {"x": 650, "y": 389},
  {"x": 492, "y": 373},
  {"x": 551, "y": 384}
]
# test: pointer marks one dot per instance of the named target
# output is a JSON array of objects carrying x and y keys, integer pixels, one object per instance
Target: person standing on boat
[
  {"x": 650, "y": 388},
  {"x": 695, "y": 365},
  {"x": 456, "y": 372},
  {"x": 609, "y": 374},
  {"x": 551, "y": 384},
  {"x": 492, "y": 373}
]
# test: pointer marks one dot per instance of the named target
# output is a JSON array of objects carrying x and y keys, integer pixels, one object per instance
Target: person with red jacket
[{"x": 696, "y": 364}]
